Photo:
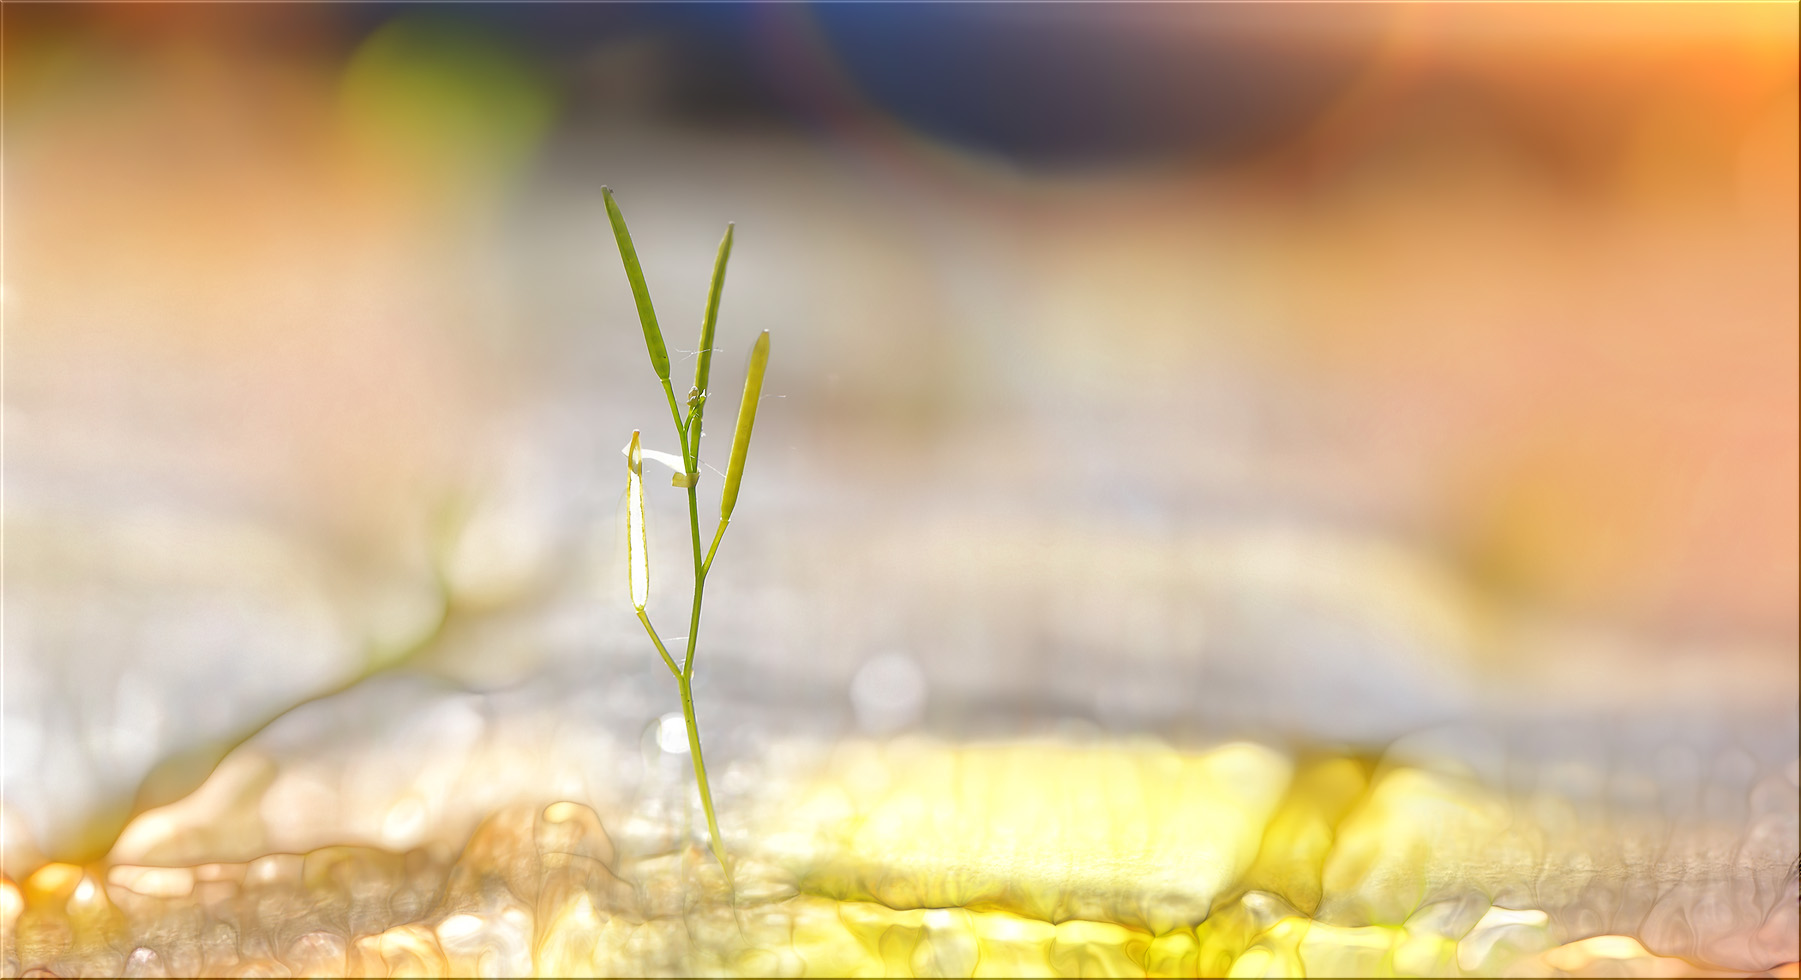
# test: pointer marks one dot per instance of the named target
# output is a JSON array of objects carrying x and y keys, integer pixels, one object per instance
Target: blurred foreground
[{"x": 918, "y": 859}]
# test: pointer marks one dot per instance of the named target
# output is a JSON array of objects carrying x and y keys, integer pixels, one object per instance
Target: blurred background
[{"x": 1359, "y": 376}]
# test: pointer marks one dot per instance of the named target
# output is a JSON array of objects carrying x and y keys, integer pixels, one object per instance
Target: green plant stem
[
  {"x": 688, "y": 430},
  {"x": 685, "y": 679},
  {"x": 707, "y": 566},
  {"x": 654, "y": 638},
  {"x": 684, "y": 682},
  {"x": 700, "y": 776},
  {"x": 700, "y": 582},
  {"x": 681, "y": 426}
]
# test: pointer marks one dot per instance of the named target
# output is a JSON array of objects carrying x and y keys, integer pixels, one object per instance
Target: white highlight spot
[
  {"x": 459, "y": 926},
  {"x": 672, "y": 734},
  {"x": 404, "y": 823},
  {"x": 888, "y": 693},
  {"x": 1524, "y": 928}
]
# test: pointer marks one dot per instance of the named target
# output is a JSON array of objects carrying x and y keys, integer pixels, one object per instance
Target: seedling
[{"x": 687, "y": 476}]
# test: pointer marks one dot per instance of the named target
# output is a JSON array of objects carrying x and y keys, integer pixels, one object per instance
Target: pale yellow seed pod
[
  {"x": 747, "y": 418},
  {"x": 636, "y": 544}
]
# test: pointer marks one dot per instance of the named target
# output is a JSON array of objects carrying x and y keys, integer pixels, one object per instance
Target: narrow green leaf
[
  {"x": 637, "y": 550},
  {"x": 703, "y": 363},
  {"x": 647, "y": 315},
  {"x": 747, "y": 417}
]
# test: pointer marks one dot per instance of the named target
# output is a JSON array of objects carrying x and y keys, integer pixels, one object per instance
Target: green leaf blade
[
  {"x": 634, "y": 273},
  {"x": 747, "y": 418}
]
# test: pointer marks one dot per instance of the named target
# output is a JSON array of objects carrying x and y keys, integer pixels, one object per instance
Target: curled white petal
[{"x": 670, "y": 460}]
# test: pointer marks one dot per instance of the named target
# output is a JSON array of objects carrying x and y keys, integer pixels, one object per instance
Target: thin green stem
[
  {"x": 707, "y": 565},
  {"x": 700, "y": 581},
  {"x": 675, "y": 412},
  {"x": 685, "y": 679},
  {"x": 644, "y": 618},
  {"x": 700, "y": 777}
]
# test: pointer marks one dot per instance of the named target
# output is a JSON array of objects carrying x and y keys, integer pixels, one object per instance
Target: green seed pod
[
  {"x": 647, "y": 315},
  {"x": 703, "y": 362},
  {"x": 638, "y": 552},
  {"x": 747, "y": 417}
]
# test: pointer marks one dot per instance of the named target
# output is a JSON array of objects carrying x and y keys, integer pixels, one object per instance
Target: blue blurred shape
[{"x": 1059, "y": 86}]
